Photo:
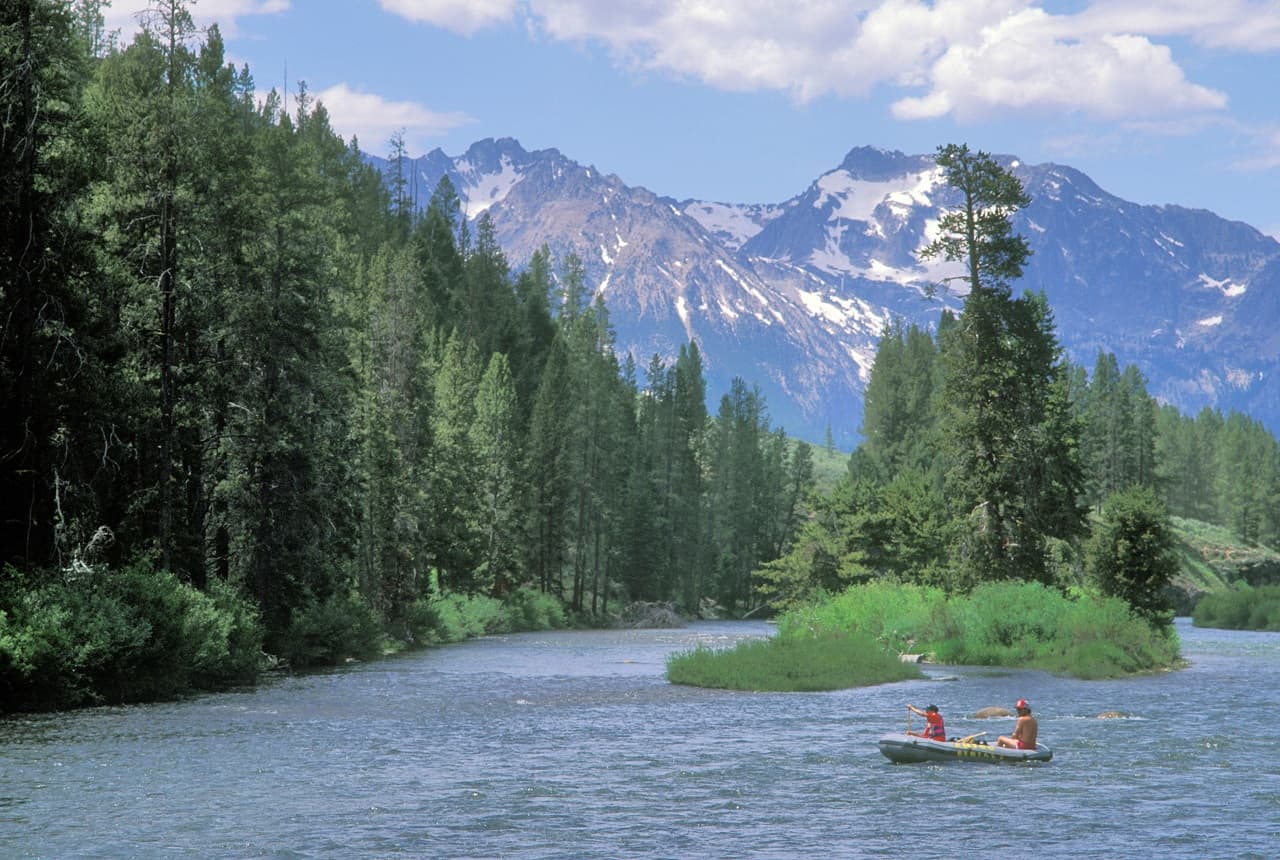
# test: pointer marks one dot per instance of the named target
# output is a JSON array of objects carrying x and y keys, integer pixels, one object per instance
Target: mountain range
[{"x": 792, "y": 296}]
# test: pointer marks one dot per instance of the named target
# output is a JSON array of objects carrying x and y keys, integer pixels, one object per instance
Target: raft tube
[{"x": 903, "y": 748}]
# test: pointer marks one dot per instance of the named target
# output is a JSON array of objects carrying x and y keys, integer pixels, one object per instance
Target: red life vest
[{"x": 933, "y": 727}]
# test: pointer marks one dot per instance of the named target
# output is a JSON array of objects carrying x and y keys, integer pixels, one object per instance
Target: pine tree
[
  {"x": 143, "y": 105},
  {"x": 1131, "y": 553},
  {"x": 547, "y": 473},
  {"x": 1010, "y": 437},
  {"x": 454, "y": 484},
  {"x": 60, "y": 459},
  {"x": 495, "y": 437}
]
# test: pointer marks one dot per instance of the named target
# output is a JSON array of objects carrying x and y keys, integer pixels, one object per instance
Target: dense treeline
[
  {"x": 988, "y": 457},
  {"x": 244, "y": 382}
]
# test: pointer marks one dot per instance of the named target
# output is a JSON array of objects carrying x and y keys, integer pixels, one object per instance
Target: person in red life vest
[
  {"x": 933, "y": 727},
  {"x": 1024, "y": 730}
]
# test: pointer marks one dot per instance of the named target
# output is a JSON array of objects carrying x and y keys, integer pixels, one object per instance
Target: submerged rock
[{"x": 988, "y": 713}]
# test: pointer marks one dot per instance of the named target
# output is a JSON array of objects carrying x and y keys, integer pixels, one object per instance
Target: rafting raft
[{"x": 902, "y": 748}]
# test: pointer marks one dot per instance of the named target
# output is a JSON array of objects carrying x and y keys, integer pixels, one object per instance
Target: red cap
[{"x": 1022, "y": 705}]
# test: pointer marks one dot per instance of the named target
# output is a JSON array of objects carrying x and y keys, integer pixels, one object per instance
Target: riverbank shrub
[
  {"x": 530, "y": 609},
  {"x": 1241, "y": 607},
  {"x": 101, "y": 636},
  {"x": 1084, "y": 634},
  {"x": 329, "y": 632},
  {"x": 454, "y": 617},
  {"x": 828, "y": 661}
]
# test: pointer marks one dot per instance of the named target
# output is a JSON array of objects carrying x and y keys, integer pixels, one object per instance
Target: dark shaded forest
[{"x": 235, "y": 361}]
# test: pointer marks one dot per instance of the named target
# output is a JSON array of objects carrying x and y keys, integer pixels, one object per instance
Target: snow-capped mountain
[{"x": 793, "y": 296}]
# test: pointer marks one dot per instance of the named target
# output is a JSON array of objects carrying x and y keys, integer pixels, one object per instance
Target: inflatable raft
[{"x": 903, "y": 748}]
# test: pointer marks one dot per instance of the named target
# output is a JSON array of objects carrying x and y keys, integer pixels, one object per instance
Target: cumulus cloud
[
  {"x": 461, "y": 16},
  {"x": 1240, "y": 25},
  {"x": 1030, "y": 61},
  {"x": 126, "y": 15},
  {"x": 962, "y": 58},
  {"x": 374, "y": 119}
]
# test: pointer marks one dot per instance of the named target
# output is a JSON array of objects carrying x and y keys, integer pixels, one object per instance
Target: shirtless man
[{"x": 1024, "y": 730}]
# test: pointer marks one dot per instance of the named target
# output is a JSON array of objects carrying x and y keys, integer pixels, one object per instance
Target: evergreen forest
[
  {"x": 988, "y": 457},
  {"x": 253, "y": 402}
]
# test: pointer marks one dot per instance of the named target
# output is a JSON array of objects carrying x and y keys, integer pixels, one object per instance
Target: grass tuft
[{"x": 832, "y": 661}]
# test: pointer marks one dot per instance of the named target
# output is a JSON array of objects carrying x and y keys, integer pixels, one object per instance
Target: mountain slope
[{"x": 792, "y": 296}]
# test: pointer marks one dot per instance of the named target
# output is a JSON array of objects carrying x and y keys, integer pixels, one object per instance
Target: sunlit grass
[
  {"x": 832, "y": 661},
  {"x": 1014, "y": 624},
  {"x": 1241, "y": 608}
]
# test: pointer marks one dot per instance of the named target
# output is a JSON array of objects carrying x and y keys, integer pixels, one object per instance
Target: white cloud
[
  {"x": 462, "y": 16},
  {"x": 125, "y": 15},
  {"x": 964, "y": 58},
  {"x": 1028, "y": 61},
  {"x": 1243, "y": 25},
  {"x": 374, "y": 119}
]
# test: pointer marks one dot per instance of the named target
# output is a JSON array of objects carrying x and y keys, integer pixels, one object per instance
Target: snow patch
[
  {"x": 857, "y": 199},
  {"x": 738, "y": 223},
  {"x": 752, "y": 291},
  {"x": 817, "y": 306},
  {"x": 604, "y": 255},
  {"x": 1209, "y": 322},
  {"x": 1229, "y": 288},
  {"x": 1241, "y": 379},
  {"x": 682, "y": 311},
  {"x": 484, "y": 190}
]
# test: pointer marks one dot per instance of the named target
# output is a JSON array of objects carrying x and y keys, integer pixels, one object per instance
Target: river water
[{"x": 572, "y": 744}]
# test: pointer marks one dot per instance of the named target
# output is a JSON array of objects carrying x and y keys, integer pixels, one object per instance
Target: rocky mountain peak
[{"x": 793, "y": 296}]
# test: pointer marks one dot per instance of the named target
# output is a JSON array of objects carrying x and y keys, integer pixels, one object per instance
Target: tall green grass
[
  {"x": 832, "y": 661},
  {"x": 1241, "y": 608},
  {"x": 1084, "y": 634}
]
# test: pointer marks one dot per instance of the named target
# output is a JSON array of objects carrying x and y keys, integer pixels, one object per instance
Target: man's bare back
[{"x": 1024, "y": 730}]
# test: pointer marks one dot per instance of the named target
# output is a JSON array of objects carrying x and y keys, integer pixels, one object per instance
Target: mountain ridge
[{"x": 793, "y": 296}]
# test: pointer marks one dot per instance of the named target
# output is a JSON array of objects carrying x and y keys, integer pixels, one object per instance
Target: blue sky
[{"x": 1172, "y": 101}]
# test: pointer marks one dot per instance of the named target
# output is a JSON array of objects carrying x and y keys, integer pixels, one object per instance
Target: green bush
[
  {"x": 453, "y": 617},
  {"x": 107, "y": 637},
  {"x": 326, "y": 633},
  {"x": 830, "y": 661},
  {"x": 530, "y": 609}
]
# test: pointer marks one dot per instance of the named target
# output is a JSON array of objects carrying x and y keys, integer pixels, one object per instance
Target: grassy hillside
[
  {"x": 1211, "y": 558},
  {"x": 829, "y": 466}
]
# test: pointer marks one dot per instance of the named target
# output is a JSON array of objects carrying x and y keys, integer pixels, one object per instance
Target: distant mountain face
[{"x": 793, "y": 296}]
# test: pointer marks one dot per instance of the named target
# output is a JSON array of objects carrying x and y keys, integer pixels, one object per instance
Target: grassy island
[{"x": 854, "y": 639}]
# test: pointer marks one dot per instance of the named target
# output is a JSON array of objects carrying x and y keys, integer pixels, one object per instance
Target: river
[{"x": 572, "y": 745}]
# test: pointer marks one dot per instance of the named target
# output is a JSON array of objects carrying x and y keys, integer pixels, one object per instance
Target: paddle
[{"x": 967, "y": 738}]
